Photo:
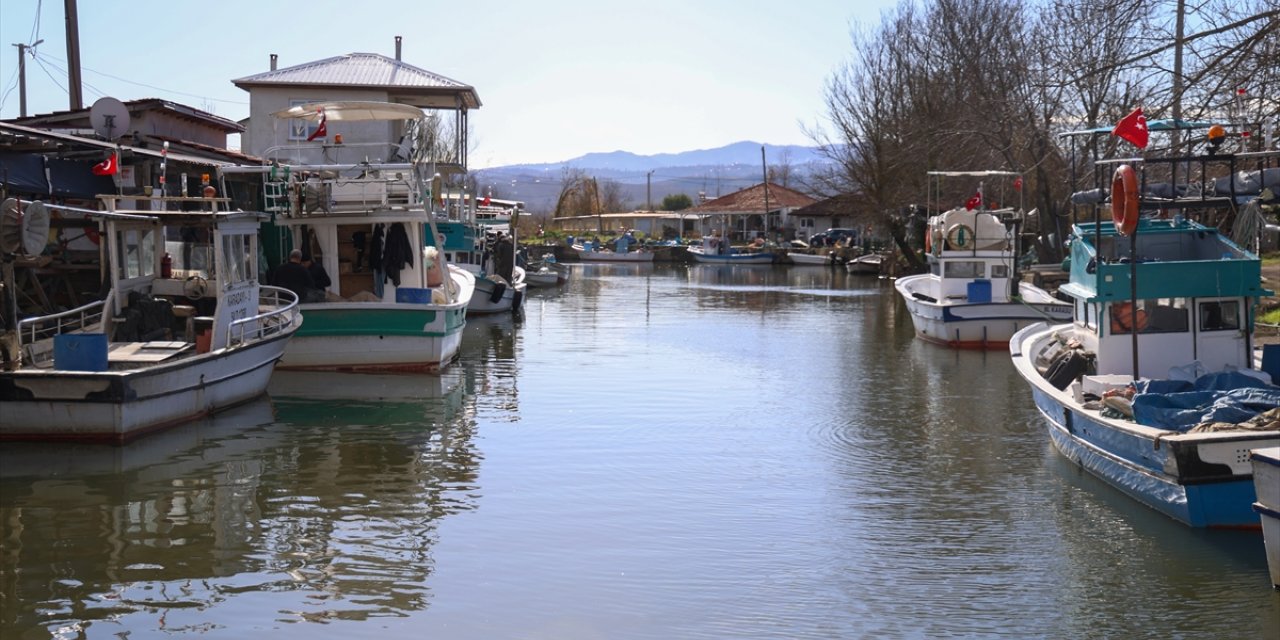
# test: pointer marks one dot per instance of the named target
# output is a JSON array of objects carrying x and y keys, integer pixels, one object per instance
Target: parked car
[{"x": 831, "y": 236}]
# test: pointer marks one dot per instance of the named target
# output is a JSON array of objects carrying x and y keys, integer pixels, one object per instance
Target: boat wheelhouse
[{"x": 183, "y": 331}]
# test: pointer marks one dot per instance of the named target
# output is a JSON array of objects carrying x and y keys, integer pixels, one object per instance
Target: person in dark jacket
[
  {"x": 294, "y": 277},
  {"x": 319, "y": 277}
]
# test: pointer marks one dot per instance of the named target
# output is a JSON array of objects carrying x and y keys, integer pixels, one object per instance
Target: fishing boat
[
  {"x": 972, "y": 297},
  {"x": 184, "y": 330},
  {"x": 1150, "y": 386},
  {"x": 812, "y": 259},
  {"x": 546, "y": 272},
  {"x": 488, "y": 253},
  {"x": 717, "y": 250},
  {"x": 866, "y": 264},
  {"x": 396, "y": 303},
  {"x": 588, "y": 251}
]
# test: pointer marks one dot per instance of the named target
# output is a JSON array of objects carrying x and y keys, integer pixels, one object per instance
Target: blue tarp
[{"x": 1178, "y": 405}]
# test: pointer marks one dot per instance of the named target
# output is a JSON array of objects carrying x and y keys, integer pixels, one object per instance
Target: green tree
[{"x": 676, "y": 202}]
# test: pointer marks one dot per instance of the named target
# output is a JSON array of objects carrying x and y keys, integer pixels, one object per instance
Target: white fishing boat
[
  {"x": 812, "y": 259},
  {"x": 1150, "y": 386},
  {"x": 546, "y": 272},
  {"x": 972, "y": 296},
  {"x": 590, "y": 252},
  {"x": 1266, "y": 484},
  {"x": 488, "y": 256},
  {"x": 395, "y": 303},
  {"x": 866, "y": 264},
  {"x": 184, "y": 330}
]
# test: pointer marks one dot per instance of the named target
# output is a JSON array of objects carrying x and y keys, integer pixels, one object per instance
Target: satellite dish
[
  {"x": 109, "y": 118},
  {"x": 35, "y": 229},
  {"x": 24, "y": 232},
  {"x": 10, "y": 226}
]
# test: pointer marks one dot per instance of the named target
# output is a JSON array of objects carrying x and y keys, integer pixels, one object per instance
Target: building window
[{"x": 300, "y": 129}]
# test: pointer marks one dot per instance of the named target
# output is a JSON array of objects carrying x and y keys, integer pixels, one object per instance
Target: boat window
[
  {"x": 238, "y": 259},
  {"x": 137, "y": 253},
  {"x": 964, "y": 269},
  {"x": 190, "y": 250},
  {"x": 935, "y": 269},
  {"x": 1152, "y": 316},
  {"x": 999, "y": 271},
  {"x": 1220, "y": 315}
]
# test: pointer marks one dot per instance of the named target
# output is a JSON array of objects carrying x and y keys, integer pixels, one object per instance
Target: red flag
[
  {"x": 107, "y": 167},
  {"x": 485, "y": 202},
  {"x": 1017, "y": 183},
  {"x": 321, "y": 131},
  {"x": 1133, "y": 128},
  {"x": 973, "y": 202}
]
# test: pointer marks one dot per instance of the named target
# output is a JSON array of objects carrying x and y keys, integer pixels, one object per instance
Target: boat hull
[
  {"x": 1266, "y": 483},
  {"x": 973, "y": 325},
  {"x": 609, "y": 256},
  {"x": 1202, "y": 480},
  {"x": 734, "y": 258},
  {"x": 495, "y": 297},
  {"x": 376, "y": 336},
  {"x": 117, "y": 406},
  {"x": 811, "y": 259}
]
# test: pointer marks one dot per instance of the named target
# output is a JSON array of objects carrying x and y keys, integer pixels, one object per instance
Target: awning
[{"x": 40, "y": 176}]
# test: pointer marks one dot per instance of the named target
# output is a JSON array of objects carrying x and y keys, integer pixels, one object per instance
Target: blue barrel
[
  {"x": 80, "y": 352},
  {"x": 980, "y": 291}
]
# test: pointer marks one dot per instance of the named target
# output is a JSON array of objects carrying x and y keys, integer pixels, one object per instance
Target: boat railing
[
  {"x": 282, "y": 305},
  {"x": 32, "y": 331}
]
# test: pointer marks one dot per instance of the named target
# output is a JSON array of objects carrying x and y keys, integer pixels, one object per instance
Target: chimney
[
  {"x": 397, "y": 47},
  {"x": 274, "y": 57}
]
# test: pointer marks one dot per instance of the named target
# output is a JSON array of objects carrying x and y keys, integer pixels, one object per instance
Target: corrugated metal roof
[{"x": 362, "y": 70}]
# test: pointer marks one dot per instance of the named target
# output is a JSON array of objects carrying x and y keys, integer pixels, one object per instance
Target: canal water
[{"x": 652, "y": 451}]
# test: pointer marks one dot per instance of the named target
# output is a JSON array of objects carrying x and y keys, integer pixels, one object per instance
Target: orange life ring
[
  {"x": 93, "y": 235},
  {"x": 1124, "y": 200}
]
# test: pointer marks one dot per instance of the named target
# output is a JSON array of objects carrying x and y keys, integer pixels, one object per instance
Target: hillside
[{"x": 713, "y": 172}]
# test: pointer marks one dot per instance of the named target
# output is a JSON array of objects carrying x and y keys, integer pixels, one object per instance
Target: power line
[{"x": 149, "y": 86}]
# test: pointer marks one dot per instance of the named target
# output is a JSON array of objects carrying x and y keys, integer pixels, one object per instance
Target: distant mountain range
[{"x": 707, "y": 172}]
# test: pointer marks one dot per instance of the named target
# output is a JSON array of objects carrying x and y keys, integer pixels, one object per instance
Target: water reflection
[{"x": 322, "y": 502}]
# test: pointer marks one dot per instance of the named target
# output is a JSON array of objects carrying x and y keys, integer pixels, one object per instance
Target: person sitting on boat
[
  {"x": 319, "y": 278},
  {"x": 295, "y": 277}
]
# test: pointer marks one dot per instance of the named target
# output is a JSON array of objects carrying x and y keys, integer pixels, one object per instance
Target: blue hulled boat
[{"x": 1167, "y": 413}]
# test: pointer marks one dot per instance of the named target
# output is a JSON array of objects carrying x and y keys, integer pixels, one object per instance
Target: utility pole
[
  {"x": 648, "y": 193},
  {"x": 73, "y": 56},
  {"x": 22, "y": 75},
  {"x": 1179, "y": 38}
]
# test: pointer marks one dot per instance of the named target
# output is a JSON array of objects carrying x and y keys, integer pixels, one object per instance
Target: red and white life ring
[{"x": 1124, "y": 200}]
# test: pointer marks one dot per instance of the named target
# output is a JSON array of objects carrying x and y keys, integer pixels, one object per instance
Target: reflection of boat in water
[
  {"x": 164, "y": 453},
  {"x": 276, "y": 517}
]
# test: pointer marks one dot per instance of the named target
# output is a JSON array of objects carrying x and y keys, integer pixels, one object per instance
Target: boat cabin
[
  {"x": 970, "y": 253},
  {"x": 1188, "y": 290}
]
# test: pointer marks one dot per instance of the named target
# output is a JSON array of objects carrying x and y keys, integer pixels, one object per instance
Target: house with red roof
[{"x": 743, "y": 215}]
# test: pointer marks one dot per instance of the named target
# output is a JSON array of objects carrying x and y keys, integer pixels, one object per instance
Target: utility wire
[{"x": 149, "y": 86}]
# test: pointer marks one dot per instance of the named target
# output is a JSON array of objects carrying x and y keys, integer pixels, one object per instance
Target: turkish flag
[
  {"x": 107, "y": 167},
  {"x": 485, "y": 202},
  {"x": 1133, "y": 128},
  {"x": 973, "y": 202},
  {"x": 321, "y": 131}
]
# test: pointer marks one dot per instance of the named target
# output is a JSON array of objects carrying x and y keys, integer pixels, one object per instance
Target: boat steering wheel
[{"x": 195, "y": 287}]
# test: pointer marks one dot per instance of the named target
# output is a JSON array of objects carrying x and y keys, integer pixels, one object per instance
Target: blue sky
[{"x": 558, "y": 79}]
